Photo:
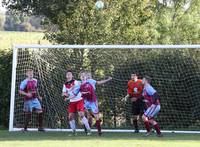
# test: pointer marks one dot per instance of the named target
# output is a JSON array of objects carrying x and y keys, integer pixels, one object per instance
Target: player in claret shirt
[
  {"x": 28, "y": 88},
  {"x": 94, "y": 83},
  {"x": 71, "y": 91},
  {"x": 134, "y": 93},
  {"x": 90, "y": 99},
  {"x": 152, "y": 100}
]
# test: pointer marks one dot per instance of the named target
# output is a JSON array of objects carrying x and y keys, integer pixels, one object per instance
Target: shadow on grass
[{"x": 40, "y": 136}]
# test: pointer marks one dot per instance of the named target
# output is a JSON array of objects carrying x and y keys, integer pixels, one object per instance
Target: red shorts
[{"x": 76, "y": 106}]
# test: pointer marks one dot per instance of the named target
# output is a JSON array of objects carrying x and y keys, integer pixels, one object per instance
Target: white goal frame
[{"x": 35, "y": 46}]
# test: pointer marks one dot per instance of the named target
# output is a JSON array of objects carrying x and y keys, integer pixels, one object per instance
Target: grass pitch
[
  {"x": 8, "y": 38},
  {"x": 64, "y": 139}
]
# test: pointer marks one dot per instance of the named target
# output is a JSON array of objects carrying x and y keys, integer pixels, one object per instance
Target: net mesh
[{"x": 175, "y": 74}]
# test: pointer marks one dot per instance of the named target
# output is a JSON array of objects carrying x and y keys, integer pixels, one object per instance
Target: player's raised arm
[{"x": 104, "y": 81}]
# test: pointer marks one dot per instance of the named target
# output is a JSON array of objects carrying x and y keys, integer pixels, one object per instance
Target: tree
[
  {"x": 178, "y": 22},
  {"x": 5, "y": 84}
]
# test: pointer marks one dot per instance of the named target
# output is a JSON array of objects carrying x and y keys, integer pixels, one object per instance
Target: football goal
[{"x": 175, "y": 72}]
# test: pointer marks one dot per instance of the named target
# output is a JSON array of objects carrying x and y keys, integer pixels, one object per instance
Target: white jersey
[{"x": 73, "y": 89}]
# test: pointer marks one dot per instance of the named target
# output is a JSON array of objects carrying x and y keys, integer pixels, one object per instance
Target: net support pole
[{"x": 12, "y": 98}]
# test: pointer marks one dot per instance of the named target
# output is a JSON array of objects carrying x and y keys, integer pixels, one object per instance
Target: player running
[
  {"x": 71, "y": 91},
  {"x": 134, "y": 93},
  {"x": 90, "y": 99},
  {"x": 28, "y": 88},
  {"x": 152, "y": 100}
]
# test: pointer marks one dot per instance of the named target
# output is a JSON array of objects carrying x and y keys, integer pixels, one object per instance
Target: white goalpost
[{"x": 175, "y": 70}]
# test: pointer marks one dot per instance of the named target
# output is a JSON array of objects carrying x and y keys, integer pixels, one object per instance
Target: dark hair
[
  {"x": 29, "y": 70},
  {"x": 69, "y": 70},
  {"x": 148, "y": 78},
  {"x": 136, "y": 73}
]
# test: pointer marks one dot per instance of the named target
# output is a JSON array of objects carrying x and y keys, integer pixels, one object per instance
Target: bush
[{"x": 5, "y": 81}]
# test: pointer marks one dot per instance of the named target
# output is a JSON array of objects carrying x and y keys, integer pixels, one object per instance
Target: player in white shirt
[{"x": 71, "y": 92}]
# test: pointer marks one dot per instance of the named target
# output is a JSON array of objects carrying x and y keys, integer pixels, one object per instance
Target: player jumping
[
  {"x": 28, "y": 88},
  {"x": 94, "y": 83},
  {"x": 71, "y": 91},
  {"x": 90, "y": 100},
  {"x": 134, "y": 93},
  {"x": 152, "y": 100}
]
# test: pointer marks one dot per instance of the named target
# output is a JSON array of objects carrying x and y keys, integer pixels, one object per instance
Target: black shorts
[{"x": 138, "y": 107}]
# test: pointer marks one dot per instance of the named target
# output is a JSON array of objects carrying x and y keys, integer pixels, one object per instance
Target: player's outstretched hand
[
  {"x": 109, "y": 78},
  {"x": 66, "y": 96},
  {"x": 126, "y": 98}
]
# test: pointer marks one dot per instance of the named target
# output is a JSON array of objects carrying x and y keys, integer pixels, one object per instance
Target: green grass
[
  {"x": 63, "y": 139},
  {"x": 8, "y": 38}
]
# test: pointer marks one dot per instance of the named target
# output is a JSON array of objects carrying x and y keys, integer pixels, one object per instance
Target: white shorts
[{"x": 152, "y": 111}]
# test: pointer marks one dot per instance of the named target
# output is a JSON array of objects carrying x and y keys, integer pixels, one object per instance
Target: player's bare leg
[
  {"x": 156, "y": 126},
  {"x": 72, "y": 123},
  {"x": 85, "y": 122}
]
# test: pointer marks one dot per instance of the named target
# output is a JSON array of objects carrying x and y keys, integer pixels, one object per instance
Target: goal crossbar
[{"x": 111, "y": 46}]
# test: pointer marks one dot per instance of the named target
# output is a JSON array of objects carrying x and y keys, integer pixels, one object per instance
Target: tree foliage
[{"x": 120, "y": 22}]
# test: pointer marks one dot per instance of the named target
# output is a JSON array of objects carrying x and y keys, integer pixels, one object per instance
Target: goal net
[{"x": 175, "y": 70}]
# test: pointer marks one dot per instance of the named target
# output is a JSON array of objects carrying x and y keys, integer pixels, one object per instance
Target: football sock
[
  {"x": 40, "y": 120},
  {"x": 27, "y": 120},
  {"x": 85, "y": 122},
  {"x": 98, "y": 125},
  {"x": 147, "y": 126},
  {"x": 157, "y": 128},
  {"x": 72, "y": 124},
  {"x": 135, "y": 123}
]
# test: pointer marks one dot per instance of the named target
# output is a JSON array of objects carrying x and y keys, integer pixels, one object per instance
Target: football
[{"x": 99, "y": 4}]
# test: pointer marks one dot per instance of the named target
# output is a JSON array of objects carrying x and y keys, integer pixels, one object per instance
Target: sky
[{"x": 1, "y": 7}]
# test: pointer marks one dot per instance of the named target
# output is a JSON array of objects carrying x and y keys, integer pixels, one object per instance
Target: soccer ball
[{"x": 99, "y": 4}]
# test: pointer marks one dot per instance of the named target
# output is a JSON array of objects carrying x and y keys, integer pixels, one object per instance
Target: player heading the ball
[
  {"x": 90, "y": 100},
  {"x": 71, "y": 92},
  {"x": 94, "y": 82}
]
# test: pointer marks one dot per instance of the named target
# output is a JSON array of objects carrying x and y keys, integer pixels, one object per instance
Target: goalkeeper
[{"x": 134, "y": 94}]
